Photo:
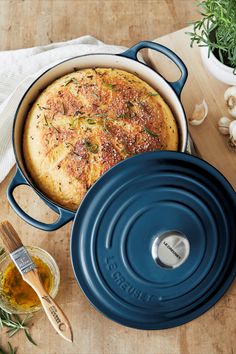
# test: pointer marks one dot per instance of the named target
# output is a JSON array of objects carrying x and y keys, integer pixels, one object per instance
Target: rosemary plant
[{"x": 217, "y": 30}]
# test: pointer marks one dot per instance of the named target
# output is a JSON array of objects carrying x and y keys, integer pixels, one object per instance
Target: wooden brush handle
[
  {"x": 54, "y": 313},
  {"x": 9, "y": 236}
]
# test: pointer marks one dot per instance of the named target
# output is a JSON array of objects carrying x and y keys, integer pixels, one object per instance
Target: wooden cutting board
[{"x": 200, "y": 85}]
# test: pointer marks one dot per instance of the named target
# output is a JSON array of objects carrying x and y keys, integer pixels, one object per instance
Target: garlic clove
[
  {"x": 232, "y": 135},
  {"x": 223, "y": 125},
  {"x": 199, "y": 114},
  {"x": 232, "y": 130},
  {"x": 230, "y": 99}
]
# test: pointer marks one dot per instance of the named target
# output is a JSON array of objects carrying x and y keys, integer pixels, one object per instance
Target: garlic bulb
[
  {"x": 223, "y": 125},
  {"x": 230, "y": 98},
  {"x": 199, "y": 114}
]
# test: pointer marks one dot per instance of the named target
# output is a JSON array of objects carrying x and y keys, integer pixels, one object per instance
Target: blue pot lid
[{"x": 153, "y": 242}]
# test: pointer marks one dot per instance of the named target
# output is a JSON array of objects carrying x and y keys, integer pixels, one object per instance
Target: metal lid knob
[{"x": 170, "y": 249}]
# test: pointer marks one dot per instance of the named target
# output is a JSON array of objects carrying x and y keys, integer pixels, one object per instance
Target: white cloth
[{"x": 19, "y": 68}]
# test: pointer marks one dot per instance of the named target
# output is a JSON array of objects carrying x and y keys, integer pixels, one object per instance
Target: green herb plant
[
  {"x": 14, "y": 324},
  {"x": 217, "y": 30}
]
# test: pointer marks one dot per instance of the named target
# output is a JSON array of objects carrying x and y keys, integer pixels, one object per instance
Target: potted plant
[{"x": 215, "y": 33}]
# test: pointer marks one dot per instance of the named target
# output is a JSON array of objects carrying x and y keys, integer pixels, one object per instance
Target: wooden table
[
  {"x": 212, "y": 333},
  {"x": 26, "y": 23}
]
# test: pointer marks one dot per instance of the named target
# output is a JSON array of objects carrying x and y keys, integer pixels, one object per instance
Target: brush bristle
[{"x": 9, "y": 237}]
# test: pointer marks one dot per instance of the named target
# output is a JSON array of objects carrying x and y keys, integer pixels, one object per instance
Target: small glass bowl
[{"x": 48, "y": 260}]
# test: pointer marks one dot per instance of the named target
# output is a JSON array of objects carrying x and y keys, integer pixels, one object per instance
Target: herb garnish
[
  {"x": 152, "y": 94},
  {"x": 73, "y": 79},
  {"x": 11, "y": 350},
  {"x": 55, "y": 128},
  {"x": 30, "y": 339},
  {"x": 91, "y": 147},
  {"x": 41, "y": 107},
  {"x": 69, "y": 144},
  {"x": 50, "y": 125},
  {"x": 151, "y": 133},
  {"x": 91, "y": 121},
  {"x": 72, "y": 124},
  {"x": 101, "y": 115},
  {"x": 122, "y": 116},
  {"x": 46, "y": 121},
  {"x": 14, "y": 324},
  {"x": 110, "y": 86},
  {"x": 78, "y": 112}
]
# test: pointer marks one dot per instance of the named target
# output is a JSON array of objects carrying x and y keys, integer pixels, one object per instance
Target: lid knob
[{"x": 170, "y": 249}]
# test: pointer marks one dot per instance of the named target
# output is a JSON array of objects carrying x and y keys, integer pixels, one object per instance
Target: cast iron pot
[{"x": 127, "y": 61}]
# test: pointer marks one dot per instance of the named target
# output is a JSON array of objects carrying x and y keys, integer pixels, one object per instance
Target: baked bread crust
[{"x": 86, "y": 122}]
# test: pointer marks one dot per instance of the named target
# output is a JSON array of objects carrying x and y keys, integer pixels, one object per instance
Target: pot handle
[
  {"x": 133, "y": 51},
  {"x": 64, "y": 215}
]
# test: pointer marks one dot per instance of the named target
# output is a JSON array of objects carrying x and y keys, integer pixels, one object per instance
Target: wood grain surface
[
  {"x": 28, "y": 23},
  {"x": 212, "y": 146}
]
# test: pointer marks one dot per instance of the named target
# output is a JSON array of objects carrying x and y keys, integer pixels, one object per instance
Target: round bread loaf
[{"x": 86, "y": 122}]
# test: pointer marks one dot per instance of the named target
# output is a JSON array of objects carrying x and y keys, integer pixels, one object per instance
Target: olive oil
[{"x": 18, "y": 293}]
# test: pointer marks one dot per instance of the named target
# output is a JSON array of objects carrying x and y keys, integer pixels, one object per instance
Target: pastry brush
[{"x": 29, "y": 272}]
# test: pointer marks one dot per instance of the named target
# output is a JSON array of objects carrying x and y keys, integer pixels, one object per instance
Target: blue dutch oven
[{"x": 127, "y": 61}]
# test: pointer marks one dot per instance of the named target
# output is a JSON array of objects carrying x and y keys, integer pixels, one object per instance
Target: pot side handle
[
  {"x": 133, "y": 51},
  {"x": 64, "y": 215}
]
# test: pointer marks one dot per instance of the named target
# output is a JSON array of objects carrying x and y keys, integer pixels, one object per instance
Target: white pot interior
[{"x": 99, "y": 60}]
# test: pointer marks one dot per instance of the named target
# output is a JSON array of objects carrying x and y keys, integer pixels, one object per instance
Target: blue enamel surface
[
  {"x": 64, "y": 215},
  {"x": 177, "y": 85},
  {"x": 119, "y": 219}
]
